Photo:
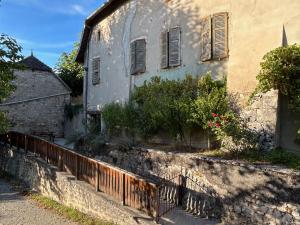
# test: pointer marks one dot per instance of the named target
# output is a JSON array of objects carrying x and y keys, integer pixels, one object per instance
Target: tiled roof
[{"x": 33, "y": 63}]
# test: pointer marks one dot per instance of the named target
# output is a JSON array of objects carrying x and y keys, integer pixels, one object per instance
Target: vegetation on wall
[
  {"x": 280, "y": 70},
  {"x": 70, "y": 71},
  {"x": 72, "y": 110},
  {"x": 10, "y": 55}
]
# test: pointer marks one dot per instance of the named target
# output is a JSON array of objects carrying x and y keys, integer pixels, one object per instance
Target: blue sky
[{"x": 49, "y": 27}]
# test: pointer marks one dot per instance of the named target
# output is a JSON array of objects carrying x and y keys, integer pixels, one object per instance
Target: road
[{"x": 17, "y": 210}]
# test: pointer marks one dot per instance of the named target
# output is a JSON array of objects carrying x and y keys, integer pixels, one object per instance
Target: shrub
[
  {"x": 280, "y": 70},
  {"x": 173, "y": 106},
  {"x": 113, "y": 115}
]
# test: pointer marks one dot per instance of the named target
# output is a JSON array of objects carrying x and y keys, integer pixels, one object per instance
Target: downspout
[
  {"x": 126, "y": 40},
  {"x": 86, "y": 68}
]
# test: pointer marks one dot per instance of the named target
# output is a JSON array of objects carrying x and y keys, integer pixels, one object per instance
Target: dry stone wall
[
  {"x": 242, "y": 193},
  {"x": 64, "y": 188}
]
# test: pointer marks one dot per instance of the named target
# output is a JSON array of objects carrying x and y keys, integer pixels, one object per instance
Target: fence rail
[{"x": 125, "y": 187}]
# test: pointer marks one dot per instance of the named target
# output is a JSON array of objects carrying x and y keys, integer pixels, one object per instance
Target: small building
[
  {"x": 125, "y": 43},
  {"x": 37, "y": 105}
]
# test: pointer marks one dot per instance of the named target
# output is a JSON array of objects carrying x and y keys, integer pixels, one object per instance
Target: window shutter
[
  {"x": 174, "y": 47},
  {"x": 132, "y": 50},
  {"x": 164, "y": 50},
  {"x": 205, "y": 44},
  {"x": 140, "y": 56},
  {"x": 220, "y": 36},
  {"x": 96, "y": 71}
]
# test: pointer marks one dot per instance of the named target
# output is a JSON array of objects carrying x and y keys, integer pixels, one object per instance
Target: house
[
  {"x": 38, "y": 103},
  {"x": 126, "y": 42}
]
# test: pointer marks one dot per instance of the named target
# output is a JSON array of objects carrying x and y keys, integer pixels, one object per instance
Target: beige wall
[{"x": 255, "y": 27}]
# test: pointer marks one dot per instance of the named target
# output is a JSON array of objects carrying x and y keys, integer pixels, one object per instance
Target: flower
[
  {"x": 218, "y": 125},
  {"x": 210, "y": 124},
  {"x": 214, "y": 115}
]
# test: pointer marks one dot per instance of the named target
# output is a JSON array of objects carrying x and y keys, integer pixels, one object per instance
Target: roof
[
  {"x": 33, "y": 63},
  {"x": 101, "y": 13}
]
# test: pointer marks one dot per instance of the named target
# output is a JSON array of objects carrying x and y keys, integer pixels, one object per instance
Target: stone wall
[
  {"x": 37, "y": 104},
  {"x": 262, "y": 117},
  {"x": 249, "y": 194},
  {"x": 65, "y": 189},
  {"x": 41, "y": 115},
  {"x": 75, "y": 125}
]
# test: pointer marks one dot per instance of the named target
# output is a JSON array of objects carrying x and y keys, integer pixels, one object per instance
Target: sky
[{"x": 48, "y": 27}]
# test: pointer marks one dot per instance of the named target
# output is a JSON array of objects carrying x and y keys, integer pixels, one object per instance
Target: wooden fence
[{"x": 127, "y": 188}]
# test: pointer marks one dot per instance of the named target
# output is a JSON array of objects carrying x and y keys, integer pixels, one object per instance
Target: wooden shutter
[
  {"x": 220, "y": 35},
  {"x": 132, "y": 54},
  {"x": 96, "y": 71},
  {"x": 140, "y": 56},
  {"x": 174, "y": 47},
  {"x": 164, "y": 50},
  {"x": 205, "y": 39}
]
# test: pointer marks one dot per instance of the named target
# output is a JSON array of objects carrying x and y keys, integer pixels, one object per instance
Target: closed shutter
[
  {"x": 220, "y": 35},
  {"x": 140, "y": 56},
  {"x": 164, "y": 50},
  {"x": 96, "y": 71},
  {"x": 174, "y": 47},
  {"x": 205, "y": 43}
]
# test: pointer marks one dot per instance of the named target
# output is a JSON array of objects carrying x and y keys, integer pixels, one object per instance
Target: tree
[
  {"x": 70, "y": 71},
  {"x": 10, "y": 55}
]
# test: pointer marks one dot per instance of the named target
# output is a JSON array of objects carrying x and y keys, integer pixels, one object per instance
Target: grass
[
  {"x": 276, "y": 157},
  {"x": 70, "y": 213}
]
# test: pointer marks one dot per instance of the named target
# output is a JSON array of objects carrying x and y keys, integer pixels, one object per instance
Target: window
[
  {"x": 98, "y": 35},
  {"x": 171, "y": 48},
  {"x": 214, "y": 37},
  {"x": 96, "y": 71},
  {"x": 138, "y": 57}
]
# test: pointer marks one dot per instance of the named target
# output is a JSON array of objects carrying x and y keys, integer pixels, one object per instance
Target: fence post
[
  {"x": 97, "y": 177},
  {"x": 77, "y": 167},
  {"x": 123, "y": 189},
  {"x": 17, "y": 142},
  {"x": 10, "y": 142},
  {"x": 181, "y": 186},
  {"x": 59, "y": 160},
  {"x": 157, "y": 205},
  {"x": 25, "y": 143},
  {"x": 47, "y": 146}
]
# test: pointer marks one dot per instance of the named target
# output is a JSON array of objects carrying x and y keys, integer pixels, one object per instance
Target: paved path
[
  {"x": 16, "y": 210},
  {"x": 180, "y": 217}
]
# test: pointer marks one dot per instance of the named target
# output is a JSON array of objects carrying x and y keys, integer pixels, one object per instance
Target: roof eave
[{"x": 100, "y": 14}]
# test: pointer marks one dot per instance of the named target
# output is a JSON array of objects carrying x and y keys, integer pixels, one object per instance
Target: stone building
[
  {"x": 37, "y": 105},
  {"x": 127, "y": 42}
]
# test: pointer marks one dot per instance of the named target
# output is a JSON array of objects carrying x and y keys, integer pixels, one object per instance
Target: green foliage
[
  {"x": 70, "y": 71},
  {"x": 280, "y": 156},
  {"x": 113, "y": 115},
  {"x": 280, "y": 69},
  {"x": 233, "y": 132},
  {"x": 298, "y": 136},
  {"x": 10, "y": 55},
  {"x": 212, "y": 98},
  {"x": 175, "y": 107},
  {"x": 72, "y": 110}
]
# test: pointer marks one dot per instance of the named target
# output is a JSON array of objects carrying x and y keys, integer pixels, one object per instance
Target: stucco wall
[{"x": 255, "y": 27}]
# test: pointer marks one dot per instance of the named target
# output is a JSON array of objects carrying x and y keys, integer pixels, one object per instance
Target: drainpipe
[{"x": 86, "y": 68}]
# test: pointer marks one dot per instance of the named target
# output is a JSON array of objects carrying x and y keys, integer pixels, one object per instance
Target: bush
[
  {"x": 280, "y": 156},
  {"x": 173, "y": 106},
  {"x": 280, "y": 70}
]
